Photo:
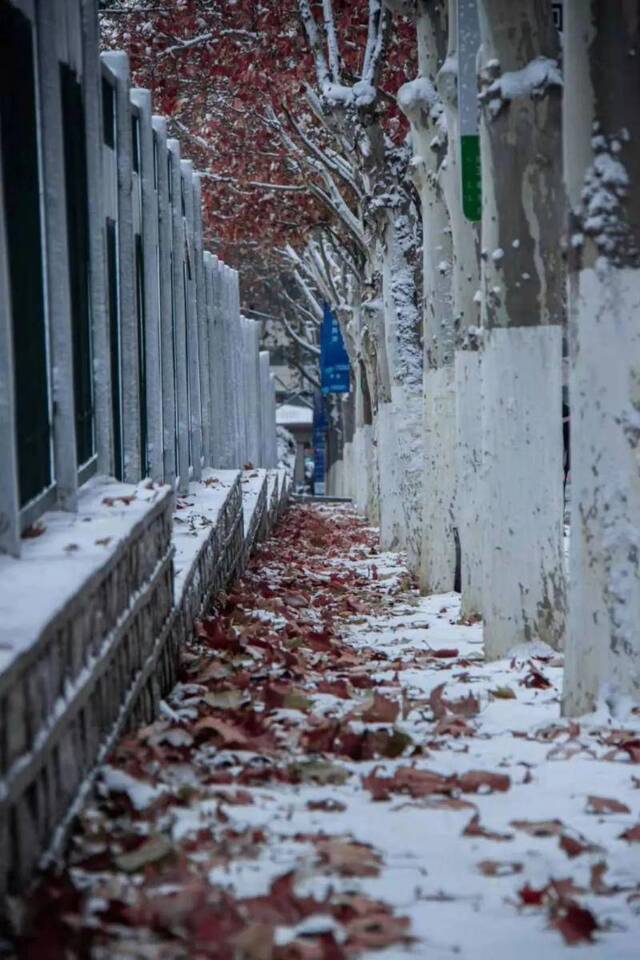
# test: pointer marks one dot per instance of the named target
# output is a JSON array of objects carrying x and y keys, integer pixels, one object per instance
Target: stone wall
[{"x": 66, "y": 696}]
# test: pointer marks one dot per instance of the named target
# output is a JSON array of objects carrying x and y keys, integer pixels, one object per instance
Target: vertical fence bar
[
  {"x": 50, "y": 23},
  {"x": 212, "y": 357},
  {"x": 118, "y": 64},
  {"x": 224, "y": 365},
  {"x": 203, "y": 326},
  {"x": 255, "y": 395},
  {"x": 179, "y": 318},
  {"x": 150, "y": 243},
  {"x": 265, "y": 408},
  {"x": 91, "y": 73},
  {"x": 193, "y": 361},
  {"x": 9, "y": 498},
  {"x": 164, "y": 281}
]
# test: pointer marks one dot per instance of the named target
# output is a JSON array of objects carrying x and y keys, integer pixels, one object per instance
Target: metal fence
[{"x": 122, "y": 347}]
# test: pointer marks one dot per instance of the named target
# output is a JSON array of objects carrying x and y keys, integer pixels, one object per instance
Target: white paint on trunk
[
  {"x": 409, "y": 441},
  {"x": 469, "y": 512},
  {"x": 347, "y": 477},
  {"x": 437, "y": 567},
  {"x": 603, "y": 647},
  {"x": 364, "y": 484},
  {"x": 392, "y": 530},
  {"x": 522, "y": 432}
]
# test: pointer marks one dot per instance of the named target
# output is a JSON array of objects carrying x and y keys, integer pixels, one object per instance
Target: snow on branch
[
  {"x": 375, "y": 41},
  {"x": 332, "y": 42},
  {"x": 309, "y": 347},
  {"x": 208, "y": 37},
  {"x": 313, "y": 36},
  {"x": 533, "y": 80}
]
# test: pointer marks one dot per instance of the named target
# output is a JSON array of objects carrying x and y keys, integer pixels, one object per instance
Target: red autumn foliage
[{"x": 231, "y": 79}]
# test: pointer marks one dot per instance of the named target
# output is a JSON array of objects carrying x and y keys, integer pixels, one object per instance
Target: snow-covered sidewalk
[{"x": 339, "y": 774}]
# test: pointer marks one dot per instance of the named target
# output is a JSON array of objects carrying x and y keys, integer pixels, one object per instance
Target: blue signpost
[
  {"x": 334, "y": 378},
  {"x": 334, "y": 360},
  {"x": 319, "y": 444}
]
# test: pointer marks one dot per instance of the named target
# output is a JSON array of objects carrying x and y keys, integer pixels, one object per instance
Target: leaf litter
[{"x": 322, "y": 784}]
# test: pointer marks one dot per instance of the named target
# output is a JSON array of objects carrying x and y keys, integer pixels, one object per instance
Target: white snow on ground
[
  {"x": 431, "y": 871},
  {"x": 196, "y": 513},
  {"x": 571, "y": 791}
]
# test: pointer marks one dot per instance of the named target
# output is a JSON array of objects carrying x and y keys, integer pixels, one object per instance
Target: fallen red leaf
[
  {"x": 474, "y": 780},
  {"x": 382, "y": 710},
  {"x": 606, "y": 805},
  {"x": 535, "y": 679},
  {"x": 417, "y": 783},
  {"x": 632, "y": 835},
  {"x": 574, "y": 847},
  {"x": 531, "y": 896},
  {"x": 475, "y": 829},
  {"x": 575, "y": 923}
]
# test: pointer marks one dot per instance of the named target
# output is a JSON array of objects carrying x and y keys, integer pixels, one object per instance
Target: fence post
[
  {"x": 180, "y": 330},
  {"x": 274, "y": 428},
  {"x": 150, "y": 242},
  {"x": 97, "y": 247},
  {"x": 253, "y": 358},
  {"x": 9, "y": 499},
  {"x": 213, "y": 353},
  {"x": 57, "y": 289},
  {"x": 165, "y": 270},
  {"x": 234, "y": 348},
  {"x": 203, "y": 326},
  {"x": 226, "y": 366},
  {"x": 118, "y": 64},
  {"x": 193, "y": 362},
  {"x": 264, "y": 407}
]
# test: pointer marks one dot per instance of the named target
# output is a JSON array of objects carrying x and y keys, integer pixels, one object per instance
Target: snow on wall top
[
  {"x": 196, "y": 513},
  {"x": 287, "y": 414},
  {"x": 56, "y": 563}
]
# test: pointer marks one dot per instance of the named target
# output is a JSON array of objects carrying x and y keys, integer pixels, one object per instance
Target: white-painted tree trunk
[
  {"x": 522, "y": 428},
  {"x": 437, "y": 569},
  {"x": 423, "y": 106},
  {"x": 524, "y": 595},
  {"x": 602, "y": 163},
  {"x": 400, "y": 453},
  {"x": 465, "y": 281},
  {"x": 470, "y": 511},
  {"x": 391, "y": 513}
]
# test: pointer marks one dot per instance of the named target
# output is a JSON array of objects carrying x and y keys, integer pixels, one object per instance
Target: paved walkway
[{"x": 340, "y": 775}]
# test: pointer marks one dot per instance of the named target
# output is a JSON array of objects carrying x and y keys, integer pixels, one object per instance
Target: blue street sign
[{"x": 334, "y": 360}]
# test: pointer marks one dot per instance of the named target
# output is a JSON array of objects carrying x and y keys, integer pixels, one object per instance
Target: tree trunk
[
  {"x": 403, "y": 449},
  {"x": 421, "y": 103},
  {"x": 602, "y": 159},
  {"x": 465, "y": 282},
  {"x": 522, "y": 289}
]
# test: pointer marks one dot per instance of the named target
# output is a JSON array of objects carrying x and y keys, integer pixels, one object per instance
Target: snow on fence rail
[{"x": 128, "y": 381}]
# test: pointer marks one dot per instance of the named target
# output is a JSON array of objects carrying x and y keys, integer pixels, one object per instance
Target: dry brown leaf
[
  {"x": 476, "y": 781},
  {"x": 606, "y": 805},
  {"x": 256, "y": 942},
  {"x": 574, "y": 847},
  {"x": 499, "y": 868},
  {"x": 632, "y": 835},
  {"x": 539, "y": 828},
  {"x": 502, "y": 693},
  {"x": 475, "y": 829},
  {"x": 154, "y": 849},
  {"x": 349, "y": 858}
]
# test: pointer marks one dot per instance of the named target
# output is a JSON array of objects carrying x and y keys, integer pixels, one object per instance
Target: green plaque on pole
[
  {"x": 471, "y": 176},
  {"x": 470, "y": 173}
]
